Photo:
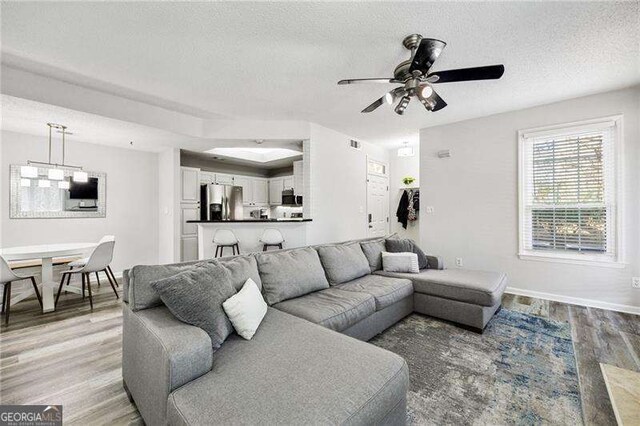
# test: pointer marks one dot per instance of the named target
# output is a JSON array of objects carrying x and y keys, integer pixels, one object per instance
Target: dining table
[{"x": 46, "y": 253}]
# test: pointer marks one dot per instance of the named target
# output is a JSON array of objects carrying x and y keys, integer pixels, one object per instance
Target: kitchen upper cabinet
[
  {"x": 288, "y": 182},
  {"x": 260, "y": 191},
  {"x": 190, "y": 185},
  {"x": 276, "y": 185},
  {"x": 223, "y": 179}
]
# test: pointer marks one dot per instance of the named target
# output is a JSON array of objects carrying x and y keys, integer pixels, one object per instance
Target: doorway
[{"x": 377, "y": 198}]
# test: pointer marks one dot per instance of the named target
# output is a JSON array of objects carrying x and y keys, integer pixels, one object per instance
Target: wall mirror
[{"x": 45, "y": 193}]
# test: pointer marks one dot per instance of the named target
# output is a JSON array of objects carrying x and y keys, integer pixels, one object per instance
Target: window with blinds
[{"x": 568, "y": 197}]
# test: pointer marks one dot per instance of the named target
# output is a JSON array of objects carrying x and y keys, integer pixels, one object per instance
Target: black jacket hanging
[
  {"x": 403, "y": 209},
  {"x": 416, "y": 200}
]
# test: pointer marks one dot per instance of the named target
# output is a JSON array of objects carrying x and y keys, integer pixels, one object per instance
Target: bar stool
[
  {"x": 7, "y": 276},
  {"x": 225, "y": 238},
  {"x": 271, "y": 237},
  {"x": 81, "y": 262}
]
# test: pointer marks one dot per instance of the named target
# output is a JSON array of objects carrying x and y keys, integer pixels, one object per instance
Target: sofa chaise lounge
[{"x": 308, "y": 362}]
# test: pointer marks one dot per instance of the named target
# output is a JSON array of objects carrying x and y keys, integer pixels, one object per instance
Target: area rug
[{"x": 522, "y": 370}]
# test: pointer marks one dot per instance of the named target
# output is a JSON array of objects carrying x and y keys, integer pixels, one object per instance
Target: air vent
[{"x": 355, "y": 144}]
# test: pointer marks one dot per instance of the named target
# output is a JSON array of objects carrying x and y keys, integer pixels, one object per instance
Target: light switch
[{"x": 430, "y": 209}]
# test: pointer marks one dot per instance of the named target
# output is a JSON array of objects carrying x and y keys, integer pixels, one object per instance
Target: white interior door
[{"x": 377, "y": 205}]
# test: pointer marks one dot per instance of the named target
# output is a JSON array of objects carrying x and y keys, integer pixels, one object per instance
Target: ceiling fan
[{"x": 416, "y": 79}]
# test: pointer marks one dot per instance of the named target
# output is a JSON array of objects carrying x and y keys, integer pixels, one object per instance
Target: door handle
[{"x": 369, "y": 217}]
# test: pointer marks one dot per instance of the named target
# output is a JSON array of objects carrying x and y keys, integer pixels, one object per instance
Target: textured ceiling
[{"x": 282, "y": 60}]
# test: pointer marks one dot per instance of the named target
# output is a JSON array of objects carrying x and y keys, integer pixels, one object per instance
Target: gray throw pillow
[
  {"x": 195, "y": 296},
  {"x": 373, "y": 251},
  {"x": 343, "y": 262},
  {"x": 400, "y": 245}
]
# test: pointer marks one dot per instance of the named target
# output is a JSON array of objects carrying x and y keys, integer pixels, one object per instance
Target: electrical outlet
[
  {"x": 430, "y": 209},
  {"x": 459, "y": 261},
  {"x": 635, "y": 282}
]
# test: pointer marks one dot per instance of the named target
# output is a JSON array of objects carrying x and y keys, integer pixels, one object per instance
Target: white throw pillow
[
  {"x": 400, "y": 262},
  {"x": 246, "y": 309}
]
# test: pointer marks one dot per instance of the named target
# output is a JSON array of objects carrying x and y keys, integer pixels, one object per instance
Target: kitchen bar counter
[
  {"x": 284, "y": 220},
  {"x": 248, "y": 232}
]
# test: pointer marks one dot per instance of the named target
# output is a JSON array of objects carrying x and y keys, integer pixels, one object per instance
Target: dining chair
[
  {"x": 271, "y": 237},
  {"x": 7, "y": 276},
  {"x": 225, "y": 238},
  {"x": 81, "y": 262},
  {"x": 98, "y": 261}
]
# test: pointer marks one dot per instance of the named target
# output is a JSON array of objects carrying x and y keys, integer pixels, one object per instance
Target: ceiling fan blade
[
  {"x": 374, "y": 105},
  {"x": 490, "y": 72},
  {"x": 367, "y": 80},
  {"x": 426, "y": 54},
  {"x": 389, "y": 98}
]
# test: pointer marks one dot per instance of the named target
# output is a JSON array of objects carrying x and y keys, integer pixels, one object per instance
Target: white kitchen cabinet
[
  {"x": 223, "y": 179},
  {"x": 188, "y": 248},
  {"x": 189, "y": 212},
  {"x": 288, "y": 182},
  {"x": 190, "y": 190},
  {"x": 260, "y": 192},
  {"x": 276, "y": 185},
  {"x": 247, "y": 189}
]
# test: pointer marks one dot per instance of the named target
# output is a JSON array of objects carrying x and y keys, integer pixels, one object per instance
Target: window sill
[{"x": 543, "y": 257}]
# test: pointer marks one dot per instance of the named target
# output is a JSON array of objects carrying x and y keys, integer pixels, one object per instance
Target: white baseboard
[{"x": 575, "y": 300}]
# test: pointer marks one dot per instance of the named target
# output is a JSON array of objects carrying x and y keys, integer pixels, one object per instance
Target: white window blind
[{"x": 568, "y": 192}]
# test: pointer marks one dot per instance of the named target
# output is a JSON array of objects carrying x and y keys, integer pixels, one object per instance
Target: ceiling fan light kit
[{"x": 416, "y": 79}]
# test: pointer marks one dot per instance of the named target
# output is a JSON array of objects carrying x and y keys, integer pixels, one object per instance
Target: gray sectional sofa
[{"x": 303, "y": 365}]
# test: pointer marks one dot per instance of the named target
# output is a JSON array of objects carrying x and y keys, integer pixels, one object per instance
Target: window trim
[{"x": 618, "y": 261}]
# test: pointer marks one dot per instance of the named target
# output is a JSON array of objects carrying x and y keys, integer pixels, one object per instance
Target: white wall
[
  {"x": 475, "y": 195},
  {"x": 338, "y": 186},
  {"x": 132, "y": 200},
  {"x": 169, "y": 206},
  {"x": 399, "y": 168}
]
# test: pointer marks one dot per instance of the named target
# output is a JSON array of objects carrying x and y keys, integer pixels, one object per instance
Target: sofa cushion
[
  {"x": 343, "y": 262},
  {"x": 241, "y": 268},
  {"x": 373, "y": 249},
  {"x": 331, "y": 308},
  {"x": 140, "y": 277},
  {"x": 195, "y": 296},
  {"x": 477, "y": 287},
  {"x": 290, "y": 273},
  {"x": 309, "y": 374},
  {"x": 400, "y": 245},
  {"x": 385, "y": 290}
]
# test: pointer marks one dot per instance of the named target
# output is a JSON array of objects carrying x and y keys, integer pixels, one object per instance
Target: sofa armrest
[
  {"x": 435, "y": 262},
  {"x": 160, "y": 354}
]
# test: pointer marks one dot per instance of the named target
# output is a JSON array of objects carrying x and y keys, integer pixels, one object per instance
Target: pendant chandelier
[{"x": 55, "y": 171}]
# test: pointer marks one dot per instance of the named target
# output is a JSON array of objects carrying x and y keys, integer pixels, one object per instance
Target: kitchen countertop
[{"x": 284, "y": 220}]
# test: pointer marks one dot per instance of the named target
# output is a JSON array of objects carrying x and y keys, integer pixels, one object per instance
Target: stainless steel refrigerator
[{"x": 221, "y": 202}]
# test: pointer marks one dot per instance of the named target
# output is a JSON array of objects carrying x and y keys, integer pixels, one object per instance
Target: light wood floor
[{"x": 73, "y": 356}]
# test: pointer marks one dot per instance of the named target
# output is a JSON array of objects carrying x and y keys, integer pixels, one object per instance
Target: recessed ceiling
[
  {"x": 281, "y": 60},
  {"x": 255, "y": 155}
]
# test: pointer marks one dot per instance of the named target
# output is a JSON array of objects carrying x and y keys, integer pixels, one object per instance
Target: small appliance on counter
[
  {"x": 259, "y": 214},
  {"x": 221, "y": 202}
]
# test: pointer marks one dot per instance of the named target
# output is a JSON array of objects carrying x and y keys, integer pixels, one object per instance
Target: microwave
[{"x": 290, "y": 199}]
